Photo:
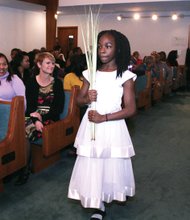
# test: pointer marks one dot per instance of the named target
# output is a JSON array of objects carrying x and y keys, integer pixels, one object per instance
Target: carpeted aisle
[{"x": 161, "y": 138}]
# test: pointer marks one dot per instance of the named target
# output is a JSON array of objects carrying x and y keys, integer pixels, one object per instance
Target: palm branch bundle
[{"x": 89, "y": 36}]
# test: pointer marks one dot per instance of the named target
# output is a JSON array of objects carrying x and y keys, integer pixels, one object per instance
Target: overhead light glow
[
  {"x": 55, "y": 16},
  {"x": 154, "y": 17},
  {"x": 119, "y": 18},
  {"x": 174, "y": 17},
  {"x": 136, "y": 16}
]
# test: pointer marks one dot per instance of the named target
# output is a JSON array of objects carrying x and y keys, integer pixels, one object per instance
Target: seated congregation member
[
  {"x": 32, "y": 54},
  {"x": 57, "y": 72},
  {"x": 14, "y": 52},
  {"x": 172, "y": 62},
  {"x": 135, "y": 60},
  {"x": 75, "y": 77},
  {"x": 72, "y": 52},
  {"x": 166, "y": 69},
  {"x": 45, "y": 101},
  {"x": 10, "y": 85},
  {"x": 157, "y": 65},
  {"x": 173, "y": 65},
  {"x": 59, "y": 56},
  {"x": 172, "y": 58},
  {"x": 21, "y": 66}
]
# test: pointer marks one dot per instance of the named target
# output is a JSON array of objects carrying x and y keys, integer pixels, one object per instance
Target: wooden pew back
[
  {"x": 12, "y": 137},
  {"x": 58, "y": 135}
]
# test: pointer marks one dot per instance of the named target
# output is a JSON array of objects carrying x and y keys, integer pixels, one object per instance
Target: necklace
[{"x": 44, "y": 81}]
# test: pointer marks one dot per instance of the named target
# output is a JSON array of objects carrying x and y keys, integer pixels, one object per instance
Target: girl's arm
[
  {"x": 85, "y": 95},
  {"x": 128, "y": 110},
  {"x": 129, "y": 101}
]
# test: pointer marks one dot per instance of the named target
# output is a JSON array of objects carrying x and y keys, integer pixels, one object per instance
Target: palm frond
[{"x": 89, "y": 36}]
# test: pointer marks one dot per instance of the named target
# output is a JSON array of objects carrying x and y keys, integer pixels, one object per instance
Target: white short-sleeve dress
[{"x": 103, "y": 170}]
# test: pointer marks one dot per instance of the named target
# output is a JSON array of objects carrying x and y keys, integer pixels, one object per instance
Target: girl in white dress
[{"x": 103, "y": 171}]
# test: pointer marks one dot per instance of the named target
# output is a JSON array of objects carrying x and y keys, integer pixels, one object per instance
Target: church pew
[
  {"x": 12, "y": 137},
  {"x": 143, "y": 90},
  {"x": 57, "y": 135}
]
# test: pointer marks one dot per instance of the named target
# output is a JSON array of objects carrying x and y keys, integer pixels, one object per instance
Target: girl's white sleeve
[
  {"x": 86, "y": 75},
  {"x": 128, "y": 75}
]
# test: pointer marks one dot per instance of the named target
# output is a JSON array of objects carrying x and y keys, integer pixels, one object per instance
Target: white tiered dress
[{"x": 103, "y": 170}]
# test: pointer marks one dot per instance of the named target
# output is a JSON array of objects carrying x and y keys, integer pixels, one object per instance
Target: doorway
[{"x": 68, "y": 38}]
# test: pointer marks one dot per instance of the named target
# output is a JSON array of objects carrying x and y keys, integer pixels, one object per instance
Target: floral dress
[{"x": 45, "y": 99}]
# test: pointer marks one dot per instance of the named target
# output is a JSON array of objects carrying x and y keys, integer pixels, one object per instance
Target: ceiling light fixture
[
  {"x": 119, "y": 17},
  {"x": 154, "y": 17},
  {"x": 174, "y": 17},
  {"x": 136, "y": 16}
]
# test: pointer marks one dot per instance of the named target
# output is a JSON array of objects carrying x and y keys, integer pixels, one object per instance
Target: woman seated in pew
[
  {"x": 21, "y": 66},
  {"x": 10, "y": 84},
  {"x": 45, "y": 101},
  {"x": 75, "y": 77}
]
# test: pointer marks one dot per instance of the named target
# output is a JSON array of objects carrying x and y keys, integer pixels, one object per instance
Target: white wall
[
  {"x": 27, "y": 30},
  {"x": 22, "y": 29},
  {"x": 144, "y": 35},
  {"x": 89, "y": 2}
]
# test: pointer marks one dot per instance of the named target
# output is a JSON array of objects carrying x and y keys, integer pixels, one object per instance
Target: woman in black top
[{"x": 45, "y": 101}]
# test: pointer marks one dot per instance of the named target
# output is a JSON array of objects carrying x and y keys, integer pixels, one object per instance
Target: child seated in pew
[{"x": 44, "y": 95}]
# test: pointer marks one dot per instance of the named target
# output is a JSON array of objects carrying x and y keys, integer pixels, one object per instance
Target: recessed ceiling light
[
  {"x": 174, "y": 17},
  {"x": 154, "y": 17},
  {"x": 119, "y": 17},
  {"x": 136, "y": 16}
]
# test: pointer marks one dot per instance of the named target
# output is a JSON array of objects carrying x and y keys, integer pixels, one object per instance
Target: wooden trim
[{"x": 38, "y": 2}]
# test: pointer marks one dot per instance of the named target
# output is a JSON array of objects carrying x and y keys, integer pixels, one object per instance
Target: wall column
[{"x": 51, "y": 23}]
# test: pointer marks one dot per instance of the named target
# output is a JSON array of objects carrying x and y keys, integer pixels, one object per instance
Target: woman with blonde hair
[{"x": 45, "y": 101}]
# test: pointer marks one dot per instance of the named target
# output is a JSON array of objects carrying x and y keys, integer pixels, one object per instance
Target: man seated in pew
[
  {"x": 44, "y": 95},
  {"x": 10, "y": 84}
]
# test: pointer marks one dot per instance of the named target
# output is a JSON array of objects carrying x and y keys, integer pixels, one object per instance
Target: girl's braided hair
[{"x": 123, "y": 51}]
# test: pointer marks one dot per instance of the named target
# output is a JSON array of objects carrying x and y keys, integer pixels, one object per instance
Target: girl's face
[
  {"x": 106, "y": 49},
  {"x": 47, "y": 66},
  {"x": 25, "y": 62},
  {"x": 3, "y": 66}
]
